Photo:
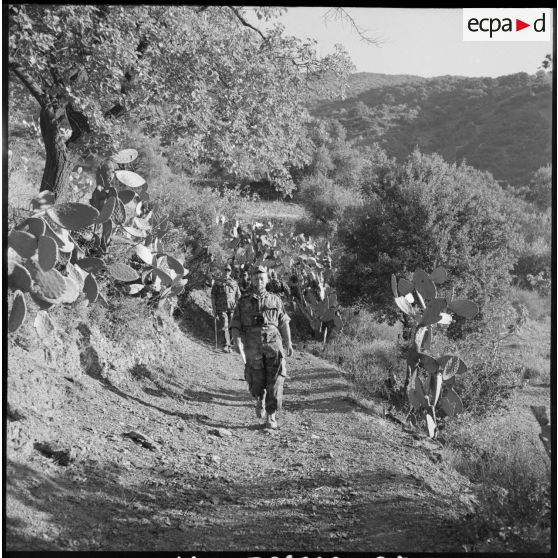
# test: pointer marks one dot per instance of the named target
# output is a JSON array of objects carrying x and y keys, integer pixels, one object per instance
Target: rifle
[{"x": 215, "y": 328}]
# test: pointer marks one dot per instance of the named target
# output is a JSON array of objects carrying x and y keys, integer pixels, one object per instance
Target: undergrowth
[{"x": 512, "y": 475}]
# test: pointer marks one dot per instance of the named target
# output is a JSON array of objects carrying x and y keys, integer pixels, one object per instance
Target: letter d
[{"x": 535, "y": 25}]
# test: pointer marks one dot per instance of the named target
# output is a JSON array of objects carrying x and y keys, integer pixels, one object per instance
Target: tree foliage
[
  {"x": 425, "y": 213},
  {"x": 502, "y": 125},
  {"x": 213, "y": 87}
]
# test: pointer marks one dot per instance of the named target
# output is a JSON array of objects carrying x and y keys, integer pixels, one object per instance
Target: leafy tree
[
  {"x": 425, "y": 213},
  {"x": 539, "y": 191},
  {"x": 202, "y": 78},
  {"x": 325, "y": 201}
]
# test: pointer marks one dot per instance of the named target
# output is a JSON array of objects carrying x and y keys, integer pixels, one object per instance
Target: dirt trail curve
[{"x": 333, "y": 477}]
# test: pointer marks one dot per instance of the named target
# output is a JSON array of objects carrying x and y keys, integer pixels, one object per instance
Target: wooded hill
[{"x": 502, "y": 125}]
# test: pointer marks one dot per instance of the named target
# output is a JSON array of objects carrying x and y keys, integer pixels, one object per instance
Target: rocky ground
[{"x": 175, "y": 459}]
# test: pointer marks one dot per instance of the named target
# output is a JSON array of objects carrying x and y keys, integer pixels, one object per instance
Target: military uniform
[
  {"x": 225, "y": 294},
  {"x": 258, "y": 317}
]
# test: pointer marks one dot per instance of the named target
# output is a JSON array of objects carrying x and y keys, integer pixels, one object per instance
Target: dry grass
[
  {"x": 366, "y": 351},
  {"x": 538, "y": 306},
  {"x": 263, "y": 210},
  {"x": 511, "y": 472}
]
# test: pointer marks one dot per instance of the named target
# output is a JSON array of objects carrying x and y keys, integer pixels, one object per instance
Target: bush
[
  {"x": 511, "y": 472},
  {"x": 326, "y": 201},
  {"x": 425, "y": 213}
]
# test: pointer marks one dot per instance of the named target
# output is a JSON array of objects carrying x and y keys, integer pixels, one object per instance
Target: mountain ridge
[{"x": 501, "y": 125}]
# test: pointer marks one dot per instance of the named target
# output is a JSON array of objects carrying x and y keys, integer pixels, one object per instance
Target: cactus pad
[
  {"x": 175, "y": 266},
  {"x": 429, "y": 363},
  {"x": 107, "y": 210},
  {"x": 424, "y": 285},
  {"x": 24, "y": 243},
  {"x": 73, "y": 216},
  {"x": 126, "y": 196},
  {"x": 405, "y": 287},
  {"x": 48, "y": 252},
  {"x": 71, "y": 294},
  {"x": 122, "y": 272},
  {"x": 432, "y": 312},
  {"x": 36, "y": 226},
  {"x": 462, "y": 307},
  {"x": 144, "y": 254},
  {"x": 439, "y": 275},
  {"x": 108, "y": 227},
  {"x": 119, "y": 213},
  {"x": 394, "y": 285},
  {"x": 405, "y": 306},
  {"x": 125, "y": 156},
  {"x": 451, "y": 403},
  {"x": 451, "y": 365},
  {"x": 164, "y": 277},
  {"x": 431, "y": 425},
  {"x": 91, "y": 288},
  {"x": 43, "y": 324},
  {"x": 75, "y": 274},
  {"x": 129, "y": 178},
  {"x": 91, "y": 264},
  {"x": 19, "y": 279},
  {"x": 18, "y": 312},
  {"x": 50, "y": 284}
]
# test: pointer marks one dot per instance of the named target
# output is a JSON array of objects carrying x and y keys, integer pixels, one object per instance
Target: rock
[
  {"x": 61, "y": 455},
  {"x": 141, "y": 439},
  {"x": 221, "y": 432}
]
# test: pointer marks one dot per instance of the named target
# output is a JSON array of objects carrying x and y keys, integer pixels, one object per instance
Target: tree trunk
[{"x": 59, "y": 162}]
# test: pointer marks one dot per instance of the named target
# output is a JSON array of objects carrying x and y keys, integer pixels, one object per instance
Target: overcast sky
[{"x": 425, "y": 42}]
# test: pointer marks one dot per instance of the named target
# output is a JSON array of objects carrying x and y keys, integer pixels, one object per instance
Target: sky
[{"x": 417, "y": 41}]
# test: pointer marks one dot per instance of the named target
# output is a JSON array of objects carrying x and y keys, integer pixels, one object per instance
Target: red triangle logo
[{"x": 519, "y": 25}]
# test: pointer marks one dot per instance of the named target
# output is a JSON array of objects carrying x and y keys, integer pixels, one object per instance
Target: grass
[
  {"x": 366, "y": 351},
  {"x": 263, "y": 210},
  {"x": 538, "y": 306},
  {"x": 511, "y": 471}
]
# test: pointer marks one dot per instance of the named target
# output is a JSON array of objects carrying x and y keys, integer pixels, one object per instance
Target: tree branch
[
  {"x": 343, "y": 14},
  {"x": 28, "y": 81},
  {"x": 245, "y": 23}
]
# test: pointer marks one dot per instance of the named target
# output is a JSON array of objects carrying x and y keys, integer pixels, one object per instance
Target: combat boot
[{"x": 271, "y": 421}]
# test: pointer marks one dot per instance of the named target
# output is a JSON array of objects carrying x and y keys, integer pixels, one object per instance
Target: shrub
[
  {"x": 425, "y": 213},
  {"x": 510, "y": 470},
  {"x": 326, "y": 201}
]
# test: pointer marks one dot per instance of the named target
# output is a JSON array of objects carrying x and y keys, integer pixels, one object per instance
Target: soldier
[
  {"x": 224, "y": 296},
  {"x": 244, "y": 283},
  {"x": 277, "y": 286},
  {"x": 259, "y": 327}
]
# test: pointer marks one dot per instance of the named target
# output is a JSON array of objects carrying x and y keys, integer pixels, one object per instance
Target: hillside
[{"x": 502, "y": 125}]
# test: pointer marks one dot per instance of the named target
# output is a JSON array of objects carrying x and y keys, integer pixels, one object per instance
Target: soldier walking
[
  {"x": 259, "y": 327},
  {"x": 224, "y": 296}
]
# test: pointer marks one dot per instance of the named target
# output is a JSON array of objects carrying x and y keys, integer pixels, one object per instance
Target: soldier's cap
[{"x": 259, "y": 269}]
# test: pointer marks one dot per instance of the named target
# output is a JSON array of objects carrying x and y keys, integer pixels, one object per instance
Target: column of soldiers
[
  {"x": 249, "y": 315},
  {"x": 259, "y": 326}
]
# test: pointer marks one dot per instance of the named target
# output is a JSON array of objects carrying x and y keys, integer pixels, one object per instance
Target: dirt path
[{"x": 333, "y": 477}]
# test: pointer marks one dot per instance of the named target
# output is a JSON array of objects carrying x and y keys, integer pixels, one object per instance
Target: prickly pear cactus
[
  {"x": 62, "y": 252},
  {"x": 424, "y": 310}
]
